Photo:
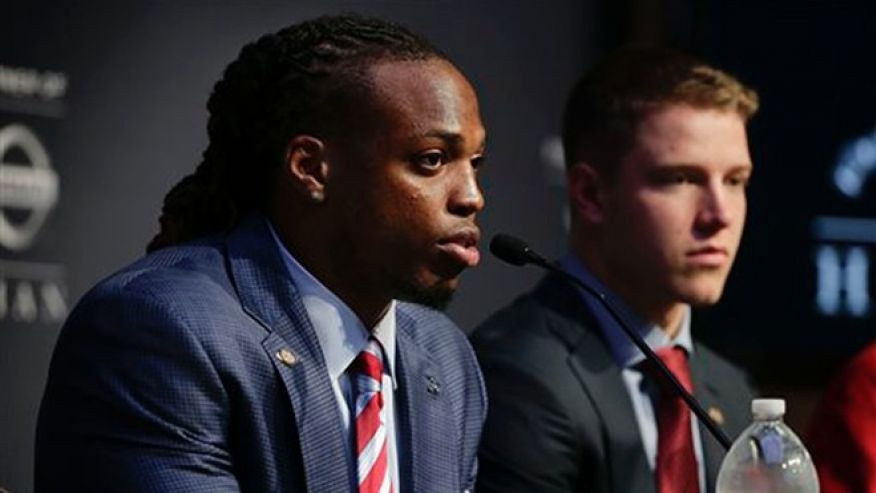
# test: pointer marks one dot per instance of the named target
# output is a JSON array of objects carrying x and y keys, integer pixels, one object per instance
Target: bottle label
[{"x": 770, "y": 448}]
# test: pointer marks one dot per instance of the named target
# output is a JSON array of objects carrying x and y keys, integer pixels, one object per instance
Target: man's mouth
[
  {"x": 462, "y": 247},
  {"x": 708, "y": 256}
]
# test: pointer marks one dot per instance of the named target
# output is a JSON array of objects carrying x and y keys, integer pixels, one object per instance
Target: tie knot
[
  {"x": 675, "y": 360},
  {"x": 369, "y": 362}
]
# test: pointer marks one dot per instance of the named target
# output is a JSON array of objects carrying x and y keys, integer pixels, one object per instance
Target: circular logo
[{"x": 28, "y": 190}]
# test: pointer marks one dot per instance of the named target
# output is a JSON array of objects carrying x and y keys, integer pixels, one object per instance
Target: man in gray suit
[
  {"x": 658, "y": 163},
  {"x": 276, "y": 338}
]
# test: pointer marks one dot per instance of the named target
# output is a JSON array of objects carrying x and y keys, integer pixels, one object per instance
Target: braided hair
[{"x": 297, "y": 80}]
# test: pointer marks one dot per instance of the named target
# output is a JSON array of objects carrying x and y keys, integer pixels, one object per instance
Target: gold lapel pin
[
  {"x": 287, "y": 357},
  {"x": 716, "y": 415}
]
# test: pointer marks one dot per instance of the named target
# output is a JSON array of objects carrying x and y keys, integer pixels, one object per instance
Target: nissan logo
[{"x": 28, "y": 190}]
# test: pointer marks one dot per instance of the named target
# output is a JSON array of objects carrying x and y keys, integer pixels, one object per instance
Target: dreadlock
[{"x": 294, "y": 81}]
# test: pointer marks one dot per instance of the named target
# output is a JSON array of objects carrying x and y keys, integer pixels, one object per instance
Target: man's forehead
[
  {"x": 429, "y": 96},
  {"x": 391, "y": 72},
  {"x": 425, "y": 82}
]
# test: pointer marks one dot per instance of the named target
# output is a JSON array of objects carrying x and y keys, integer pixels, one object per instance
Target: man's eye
[
  {"x": 737, "y": 181},
  {"x": 430, "y": 160},
  {"x": 676, "y": 178}
]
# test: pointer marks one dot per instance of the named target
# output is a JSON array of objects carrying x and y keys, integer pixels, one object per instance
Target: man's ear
[
  {"x": 306, "y": 167},
  {"x": 586, "y": 192}
]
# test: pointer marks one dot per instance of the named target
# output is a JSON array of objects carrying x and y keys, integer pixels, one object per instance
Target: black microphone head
[{"x": 510, "y": 249}]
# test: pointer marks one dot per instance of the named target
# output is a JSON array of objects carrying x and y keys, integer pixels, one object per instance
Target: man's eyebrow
[
  {"x": 680, "y": 166},
  {"x": 452, "y": 138},
  {"x": 443, "y": 135}
]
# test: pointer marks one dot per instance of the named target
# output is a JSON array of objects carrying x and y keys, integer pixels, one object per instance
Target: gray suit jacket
[
  {"x": 197, "y": 369},
  {"x": 560, "y": 418}
]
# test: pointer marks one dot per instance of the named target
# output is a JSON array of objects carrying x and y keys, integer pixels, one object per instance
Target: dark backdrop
[{"x": 114, "y": 93}]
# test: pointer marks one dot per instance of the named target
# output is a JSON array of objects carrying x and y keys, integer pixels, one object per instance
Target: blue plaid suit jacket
[{"x": 168, "y": 376}]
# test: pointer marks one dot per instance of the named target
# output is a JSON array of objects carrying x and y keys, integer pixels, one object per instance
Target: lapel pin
[
  {"x": 432, "y": 385},
  {"x": 287, "y": 357},
  {"x": 716, "y": 415}
]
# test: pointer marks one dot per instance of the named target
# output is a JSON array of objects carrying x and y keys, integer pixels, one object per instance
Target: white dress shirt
[
  {"x": 625, "y": 353},
  {"x": 342, "y": 336}
]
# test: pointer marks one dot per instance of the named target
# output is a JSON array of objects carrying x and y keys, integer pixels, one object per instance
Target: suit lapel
[
  {"x": 709, "y": 396},
  {"x": 600, "y": 377},
  {"x": 269, "y": 295},
  {"x": 426, "y": 426},
  {"x": 625, "y": 453}
]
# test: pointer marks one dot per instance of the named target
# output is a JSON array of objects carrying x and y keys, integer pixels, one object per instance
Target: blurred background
[{"x": 102, "y": 110}]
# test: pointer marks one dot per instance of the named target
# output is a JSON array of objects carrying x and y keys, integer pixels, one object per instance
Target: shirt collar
[
  {"x": 342, "y": 336},
  {"x": 623, "y": 350}
]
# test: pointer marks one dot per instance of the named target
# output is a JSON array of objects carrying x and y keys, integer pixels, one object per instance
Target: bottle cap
[{"x": 768, "y": 408}]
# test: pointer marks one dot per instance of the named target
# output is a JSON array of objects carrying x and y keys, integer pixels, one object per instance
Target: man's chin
[
  {"x": 703, "y": 298},
  {"x": 436, "y": 296},
  {"x": 701, "y": 289}
]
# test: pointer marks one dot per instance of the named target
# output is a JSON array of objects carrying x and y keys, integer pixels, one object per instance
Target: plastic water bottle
[{"x": 767, "y": 457}]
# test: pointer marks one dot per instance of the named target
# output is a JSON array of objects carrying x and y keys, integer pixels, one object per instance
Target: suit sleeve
[
  {"x": 473, "y": 421},
  {"x": 529, "y": 442},
  {"x": 133, "y": 403}
]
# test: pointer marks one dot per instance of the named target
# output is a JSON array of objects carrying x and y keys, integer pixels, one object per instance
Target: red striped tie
[{"x": 371, "y": 440}]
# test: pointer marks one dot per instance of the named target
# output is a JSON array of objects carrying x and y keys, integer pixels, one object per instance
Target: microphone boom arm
[{"x": 517, "y": 252}]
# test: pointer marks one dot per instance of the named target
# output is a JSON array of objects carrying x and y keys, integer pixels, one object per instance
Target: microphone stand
[{"x": 516, "y": 252}]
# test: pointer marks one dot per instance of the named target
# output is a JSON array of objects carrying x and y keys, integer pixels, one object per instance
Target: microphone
[{"x": 516, "y": 252}]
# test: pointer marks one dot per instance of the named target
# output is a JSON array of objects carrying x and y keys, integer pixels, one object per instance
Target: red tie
[
  {"x": 371, "y": 441},
  {"x": 676, "y": 468}
]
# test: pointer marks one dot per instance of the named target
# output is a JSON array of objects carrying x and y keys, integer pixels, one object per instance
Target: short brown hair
[{"x": 604, "y": 107}]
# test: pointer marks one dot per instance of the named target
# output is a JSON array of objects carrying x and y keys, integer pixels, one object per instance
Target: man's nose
[
  {"x": 466, "y": 197},
  {"x": 715, "y": 211}
]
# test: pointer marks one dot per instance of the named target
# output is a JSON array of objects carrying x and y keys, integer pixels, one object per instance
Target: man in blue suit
[{"x": 337, "y": 197}]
